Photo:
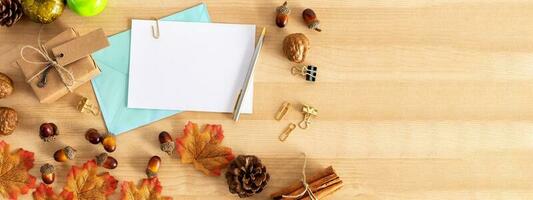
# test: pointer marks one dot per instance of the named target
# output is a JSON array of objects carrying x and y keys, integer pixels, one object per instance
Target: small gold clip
[
  {"x": 155, "y": 31},
  {"x": 85, "y": 106},
  {"x": 308, "y": 112},
  {"x": 283, "y": 136},
  {"x": 282, "y": 110}
]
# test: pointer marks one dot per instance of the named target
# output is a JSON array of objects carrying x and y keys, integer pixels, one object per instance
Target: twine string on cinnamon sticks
[
  {"x": 307, "y": 189},
  {"x": 66, "y": 76},
  {"x": 322, "y": 184}
]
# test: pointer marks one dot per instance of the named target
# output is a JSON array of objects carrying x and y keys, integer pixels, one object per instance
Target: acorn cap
[
  {"x": 150, "y": 173},
  {"x": 315, "y": 25},
  {"x": 100, "y": 159},
  {"x": 104, "y": 135},
  {"x": 47, "y": 169},
  {"x": 283, "y": 9},
  {"x": 70, "y": 152},
  {"x": 168, "y": 147},
  {"x": 48, "y": 139}
]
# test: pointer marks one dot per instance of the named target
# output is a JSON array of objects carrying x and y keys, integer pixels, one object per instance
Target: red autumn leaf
[
  {"x": 203, "y": 149},
  {"x": 86, "y": 184},
  {"x": 150, "y": 189},
  {"x": 14, "y": 176},
  {"x": 45, "y": 192}
]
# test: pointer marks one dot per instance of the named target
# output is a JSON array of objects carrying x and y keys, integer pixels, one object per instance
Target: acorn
[
  {"x": 48, "y": 132},
  {"x": 106, "y": 161},
  {"x": 295, "y": 47},
  {"x": 282, "y": 17},
  {"x": 64, "y": 154},
  {"x": 167, "y": 144},
  {"x": 93, "y": 136},
  {"x": 109, "y": 142},
  {"x": 310, "y": 19},
  {"x": 153, "y": 166},
  {"x": 48, "y": 173}
]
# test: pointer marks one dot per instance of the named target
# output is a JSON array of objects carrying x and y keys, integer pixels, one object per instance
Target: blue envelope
[{"x": 111, "y": 86}]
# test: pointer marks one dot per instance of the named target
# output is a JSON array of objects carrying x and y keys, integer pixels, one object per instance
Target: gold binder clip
[
  {"x": 308, "y": 112},
  {"x": 283, "y": 136},
  {"x": 309, "y": 72},
  {"x": 85, "y": 106},
  {"x": 282, "y": 110}
]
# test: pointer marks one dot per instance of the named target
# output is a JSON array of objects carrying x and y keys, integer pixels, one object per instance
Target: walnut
[
  {"x": 6, "y": 85},
  {"x": 295, "y": 47},
  {"x": 8, "y": 120}
]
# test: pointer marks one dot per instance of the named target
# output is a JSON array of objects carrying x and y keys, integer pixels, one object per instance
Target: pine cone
[
  {"x": 246, "y": 176},
  {"x": 10, "y": 12}
]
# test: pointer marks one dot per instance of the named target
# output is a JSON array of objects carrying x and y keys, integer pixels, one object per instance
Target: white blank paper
[{"x": 191, "y": 67}]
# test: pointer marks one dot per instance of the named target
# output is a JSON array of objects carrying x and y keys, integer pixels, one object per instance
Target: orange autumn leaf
[
  {"x": 150, "y": 189},
  {"x": 203, "y": 149},
  {"x": 45, "y": 192},
  {"x": 14, "y": 176},
  {"x": 84, "y": 183}
]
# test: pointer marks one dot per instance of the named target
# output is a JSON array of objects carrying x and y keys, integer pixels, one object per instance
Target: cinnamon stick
[
  {"x": 298, "y": 184},
  {"x": 316, "y": 185},
  {"x": 326, "y": 191},
  {"x": 328, "y": 184}
]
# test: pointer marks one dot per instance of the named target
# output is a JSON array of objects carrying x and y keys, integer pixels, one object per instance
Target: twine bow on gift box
[{"x": 66, "y": 75}]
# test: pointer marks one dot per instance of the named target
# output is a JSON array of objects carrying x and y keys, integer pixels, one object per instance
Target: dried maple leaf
[
  {"x": 84, "y": 183},
  {"x": 14, "y": 176},
  {"x": 150, "y": 189},
  {"x": 44, "y": 192},
  {"x": 203, "y": 149}
]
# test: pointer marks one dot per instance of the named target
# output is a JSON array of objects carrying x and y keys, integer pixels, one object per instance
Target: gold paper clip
[
  {"x": 283, "y": 136},
  {"x": 308, "y": 112},
  {"x": 282, "y": 111},
  {"x": 85, "y": 106}
]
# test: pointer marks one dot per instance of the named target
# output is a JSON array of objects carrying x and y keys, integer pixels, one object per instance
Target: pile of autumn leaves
[{"x": 84, "y": 182}]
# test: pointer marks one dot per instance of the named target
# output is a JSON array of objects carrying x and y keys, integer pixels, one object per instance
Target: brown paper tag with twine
[{"x": 75, "y": 57}]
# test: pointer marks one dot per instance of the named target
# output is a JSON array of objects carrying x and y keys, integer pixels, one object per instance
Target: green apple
[{"x": 87, "y": 7}]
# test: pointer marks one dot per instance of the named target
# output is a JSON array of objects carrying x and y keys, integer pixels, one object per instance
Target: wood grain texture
[{"x": 417, "y": 99}]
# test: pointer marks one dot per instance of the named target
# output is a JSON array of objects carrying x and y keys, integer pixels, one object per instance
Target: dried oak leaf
[
  {"x": 14, "y": 176},
  {"x": 45, "y": 192},
  {"x": 203, "y": 149},
  {"x": 85, "y": 183},
  {"x": 150, "y": 189}
]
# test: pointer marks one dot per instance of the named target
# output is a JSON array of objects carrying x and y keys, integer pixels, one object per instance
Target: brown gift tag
[{"x": 72, "y": 52}]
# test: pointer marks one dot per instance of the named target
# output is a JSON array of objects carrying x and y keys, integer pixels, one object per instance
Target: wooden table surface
[{"x": 417, "y": 99}]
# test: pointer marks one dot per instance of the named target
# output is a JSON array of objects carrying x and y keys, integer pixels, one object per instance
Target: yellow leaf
[
  {"x": 150, "y": 189},
  {"x": 85, "y": 184},
  {"x": 203, "y": 149},
  {"x": 14, "y": 176}
]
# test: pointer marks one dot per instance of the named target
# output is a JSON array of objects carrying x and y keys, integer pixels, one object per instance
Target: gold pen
[{"x": 242, "y": 92}]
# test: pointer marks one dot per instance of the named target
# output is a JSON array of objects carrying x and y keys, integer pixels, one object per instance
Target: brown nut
[
  {"x": 8, "y": 120},
  {"x": 295, "y": 47},
  {"x": 6, "y": 85}
]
